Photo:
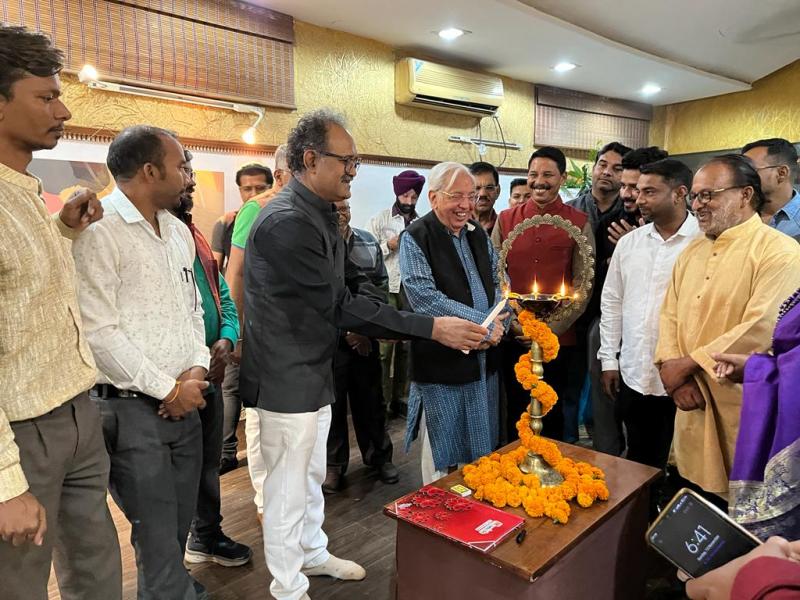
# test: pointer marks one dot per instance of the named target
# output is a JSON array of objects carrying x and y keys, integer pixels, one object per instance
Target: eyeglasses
[
  {"x": 459, "y": 196},
  {"x": 769, "y": 167},
  {"x": 706, "y": 196},
  {"x": 489, "y": 188},
  {"x": 351, "y": 163}
]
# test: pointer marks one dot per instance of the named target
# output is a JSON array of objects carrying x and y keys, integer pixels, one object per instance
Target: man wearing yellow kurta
[{"x": 726, "y": 289}]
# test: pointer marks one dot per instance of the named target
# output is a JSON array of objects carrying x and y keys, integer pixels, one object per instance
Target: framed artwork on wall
[{"x": 74, "y": 164}]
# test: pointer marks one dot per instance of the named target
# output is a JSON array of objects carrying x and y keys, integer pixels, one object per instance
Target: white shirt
[
  {"x": 140, "y": 305},
  {"x": 385, "y": 226},
  {"x": 637, "y": 281}
]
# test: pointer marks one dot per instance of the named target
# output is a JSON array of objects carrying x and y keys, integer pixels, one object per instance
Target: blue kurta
[{"x": 462, "y": 420}]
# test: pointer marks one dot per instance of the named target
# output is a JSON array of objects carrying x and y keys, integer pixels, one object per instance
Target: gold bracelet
[{"x": 175, "y": 395}]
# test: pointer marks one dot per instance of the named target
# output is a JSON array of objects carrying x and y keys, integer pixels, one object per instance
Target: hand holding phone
[
  {"x": 697, "y": 537},
  {"x": 719, "y": 583}
]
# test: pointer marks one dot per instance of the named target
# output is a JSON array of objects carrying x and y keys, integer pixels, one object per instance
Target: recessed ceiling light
[
  {"x": 650, "y": 89},
  {"x": 563, "y": 67},
  {"x": 451, "y": 33}
]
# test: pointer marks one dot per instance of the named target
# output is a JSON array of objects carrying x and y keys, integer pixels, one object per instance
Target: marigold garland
[
  {"x": 540, "y": 333},
  {"x": 498, "y": 479}
]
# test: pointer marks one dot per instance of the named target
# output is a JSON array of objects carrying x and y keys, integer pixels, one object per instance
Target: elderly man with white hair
[{"x": 449, "y": 268}]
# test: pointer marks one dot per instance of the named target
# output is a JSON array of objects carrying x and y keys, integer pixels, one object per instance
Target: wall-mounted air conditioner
[{"x": 429, "y": 85}]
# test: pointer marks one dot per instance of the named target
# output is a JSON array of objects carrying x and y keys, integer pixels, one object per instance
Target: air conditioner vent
[{"x": 430, "y": 85}]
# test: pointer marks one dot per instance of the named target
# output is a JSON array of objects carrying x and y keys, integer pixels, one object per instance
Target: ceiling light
[
  {"x": 650, "y": 89},
  {"x": 563, "y": 67},
  {"x": 88, "y": 73},
  {"x": 451, "y": 33}
]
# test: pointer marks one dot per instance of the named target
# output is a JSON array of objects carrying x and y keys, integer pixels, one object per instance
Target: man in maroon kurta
[{"x": 551, "y": 257}]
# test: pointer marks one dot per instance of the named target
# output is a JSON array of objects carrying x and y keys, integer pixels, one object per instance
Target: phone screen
[{"x": 696, "y": 538}]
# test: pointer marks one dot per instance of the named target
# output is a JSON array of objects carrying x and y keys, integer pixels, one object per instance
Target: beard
[
  {"x": 185, "y": 205},
  {"x": 405, "y": 209}
]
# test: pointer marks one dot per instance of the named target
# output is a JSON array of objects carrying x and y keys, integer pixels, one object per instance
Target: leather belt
[{"x": 106, "y": 390}]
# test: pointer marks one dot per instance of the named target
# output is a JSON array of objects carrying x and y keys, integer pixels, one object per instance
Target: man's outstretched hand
[{"x": 457, "y": 333}]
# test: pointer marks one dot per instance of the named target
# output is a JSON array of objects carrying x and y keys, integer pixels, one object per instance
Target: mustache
[{"x": 542, "y": 186}]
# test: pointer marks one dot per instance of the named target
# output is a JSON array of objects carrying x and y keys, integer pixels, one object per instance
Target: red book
[{"x": 464, "y": 520}]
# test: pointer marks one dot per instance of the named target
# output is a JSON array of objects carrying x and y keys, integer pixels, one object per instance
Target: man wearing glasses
[
  {"x": 775, "y": 160},
  {"x": 726, "y": 289},
  {"x": 487, "y": 188},
  {"x": 300, "y": 290}
]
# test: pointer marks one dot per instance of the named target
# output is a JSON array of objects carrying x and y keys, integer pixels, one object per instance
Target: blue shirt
[{"x": 787, "y": 219}]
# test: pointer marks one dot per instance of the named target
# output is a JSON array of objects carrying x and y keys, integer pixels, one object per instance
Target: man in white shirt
[
  {"x": 144, "y": 323},
  {"x": 637, "y": 280},
  {"x": 387, "y": 226}
]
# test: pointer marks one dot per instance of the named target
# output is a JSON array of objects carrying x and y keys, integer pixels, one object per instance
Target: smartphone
[{"x": 696, "y": 536}]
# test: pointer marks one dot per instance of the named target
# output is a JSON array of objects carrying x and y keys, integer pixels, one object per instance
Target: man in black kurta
[{"x": 300, "y": 290}]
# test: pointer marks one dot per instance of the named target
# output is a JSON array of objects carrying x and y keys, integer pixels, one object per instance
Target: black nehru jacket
[
  {"x": 300, "y": 289},
  {"x": 432, "y": 362}
]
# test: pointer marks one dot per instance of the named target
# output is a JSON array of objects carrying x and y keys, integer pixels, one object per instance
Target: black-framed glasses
[
  {"x": 459, "y": 196},
  {"x": 351, "y": 163},
  {"x": 707, "y": 196},
  {"x": 769, "y": 167}
]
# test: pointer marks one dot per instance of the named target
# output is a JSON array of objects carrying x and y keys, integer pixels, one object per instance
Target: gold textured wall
[
  {"x": 352, "y": 74},
  {"x": 770, "y": 109}
]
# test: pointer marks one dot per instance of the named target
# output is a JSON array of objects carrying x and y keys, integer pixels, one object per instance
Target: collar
[
  {"x": 550, "y": 209},
  {"x": 312, "y": 200},
  {"x": 121, "y": 204},
  {"x": 792, "y": 207},
  {"x": 588, "y": 198},
  {"x": 742, "y": 230},
  {"x": 688, "y": 228},
  {"x": 397, "y": 213},
  {"x": 26, "y": 181}
]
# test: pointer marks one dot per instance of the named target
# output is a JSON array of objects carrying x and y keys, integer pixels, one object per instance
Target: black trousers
[
  {"x": 232, "y": 402},
  {"x": 649, "y": 424},
  {"x": 155, "y": 470},
  {"x": 208, "y": 519},
  {"x": 565, "y": 374},
  {"x": 358, "y": 379}
]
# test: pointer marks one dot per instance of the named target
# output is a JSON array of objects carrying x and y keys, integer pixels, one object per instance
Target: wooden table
[{"x": 599, "y": 554}]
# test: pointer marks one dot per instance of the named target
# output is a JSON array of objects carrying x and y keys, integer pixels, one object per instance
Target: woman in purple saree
[{"x": 765, "y": 480}]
